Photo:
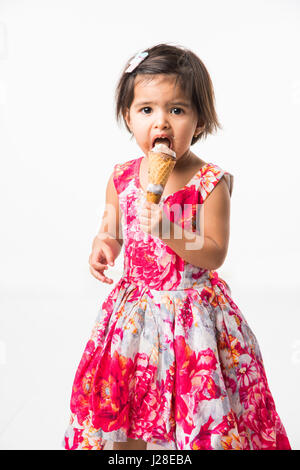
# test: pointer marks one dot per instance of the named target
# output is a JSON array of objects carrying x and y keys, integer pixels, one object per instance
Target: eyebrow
[{"x": 179, "y": 103}]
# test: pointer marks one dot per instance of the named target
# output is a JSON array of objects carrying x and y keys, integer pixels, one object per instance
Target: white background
[{"x": 60, "y": 62}]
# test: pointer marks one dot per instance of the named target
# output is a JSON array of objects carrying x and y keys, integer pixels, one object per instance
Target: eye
[
  {"x": 179, "y": 109},
  {"x": 147, "y": 107}
]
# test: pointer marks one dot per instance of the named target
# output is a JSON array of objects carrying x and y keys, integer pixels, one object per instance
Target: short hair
[{"x": 190, "y": 72}]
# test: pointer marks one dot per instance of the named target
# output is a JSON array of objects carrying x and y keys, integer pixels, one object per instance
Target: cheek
[
  {"x": 188, "y": 130},
  {"x": 183, "y": 134},
  {"x": 140, "y": 129}
]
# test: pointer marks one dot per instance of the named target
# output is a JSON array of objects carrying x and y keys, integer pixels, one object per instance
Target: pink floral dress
[{"x": 171, "y": 359}]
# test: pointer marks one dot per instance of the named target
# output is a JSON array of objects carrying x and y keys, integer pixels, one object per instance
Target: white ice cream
[
  {"x": 155, "y": 188},
  {"x": 162, "y": 148}
]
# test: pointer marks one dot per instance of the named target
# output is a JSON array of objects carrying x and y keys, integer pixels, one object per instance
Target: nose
[{"x": 161, "y": 120}]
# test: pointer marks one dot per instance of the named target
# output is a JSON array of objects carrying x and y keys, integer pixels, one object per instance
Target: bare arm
[
  {"x": 108, "y": 242},
  {"x": 111, "y": 221}
]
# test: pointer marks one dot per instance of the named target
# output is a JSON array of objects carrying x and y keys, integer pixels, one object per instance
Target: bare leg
[{"x": 131, "y": 444}]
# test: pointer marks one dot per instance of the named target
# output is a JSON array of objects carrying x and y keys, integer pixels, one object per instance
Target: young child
[{"x": 171, "y": 359}]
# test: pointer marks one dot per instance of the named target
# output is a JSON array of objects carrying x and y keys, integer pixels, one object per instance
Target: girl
[{"x": 171, "y": 359}]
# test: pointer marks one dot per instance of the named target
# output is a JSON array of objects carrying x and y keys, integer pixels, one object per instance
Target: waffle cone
[
  {"x": 160, "y": 166},
  {"x": 153, "y": 198}
]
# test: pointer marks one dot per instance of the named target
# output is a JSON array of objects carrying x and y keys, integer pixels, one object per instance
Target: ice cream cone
[{"x": 161, "y": 161}]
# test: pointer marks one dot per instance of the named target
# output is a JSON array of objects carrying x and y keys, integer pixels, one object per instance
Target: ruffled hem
[
  {"x": 74, "y": 440},
  {"x": 79, "y": 439}
]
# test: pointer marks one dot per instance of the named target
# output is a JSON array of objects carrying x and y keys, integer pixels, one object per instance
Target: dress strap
[
  {"x": 209, "y": 178},
  {"x": 123, "y": 173}
]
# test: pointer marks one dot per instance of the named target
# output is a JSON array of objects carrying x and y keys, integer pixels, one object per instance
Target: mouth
[{"x": 163, "y": 140}]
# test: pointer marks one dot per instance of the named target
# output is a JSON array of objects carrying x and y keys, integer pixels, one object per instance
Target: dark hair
[{"x": 191, "y": 73}]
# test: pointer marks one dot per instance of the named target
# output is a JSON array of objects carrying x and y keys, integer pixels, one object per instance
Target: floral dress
[{"x": 171, "y": 359}]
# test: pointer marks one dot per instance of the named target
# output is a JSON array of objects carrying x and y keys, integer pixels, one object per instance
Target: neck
[{"x": 184, "y": 160}]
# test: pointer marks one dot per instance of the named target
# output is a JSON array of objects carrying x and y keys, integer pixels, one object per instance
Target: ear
[
  {"x": 200, "y": 127},
  {"x": 127, "y": 118}
]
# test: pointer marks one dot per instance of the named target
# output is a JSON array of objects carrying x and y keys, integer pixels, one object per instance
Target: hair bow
[{"x": 140, "y": 56}]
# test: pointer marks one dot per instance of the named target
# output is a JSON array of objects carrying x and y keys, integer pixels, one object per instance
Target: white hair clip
[{"x": 140, "y": 56}]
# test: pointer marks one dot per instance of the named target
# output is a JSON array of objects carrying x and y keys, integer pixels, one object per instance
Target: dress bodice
[{"x": 147, "y": 259}]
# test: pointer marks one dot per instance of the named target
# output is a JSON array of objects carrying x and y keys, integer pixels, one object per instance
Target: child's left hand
[{"x": 151, "y": 216}]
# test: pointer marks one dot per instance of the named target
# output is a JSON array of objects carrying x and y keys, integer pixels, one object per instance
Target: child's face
[{"x": 160, "y": 107}]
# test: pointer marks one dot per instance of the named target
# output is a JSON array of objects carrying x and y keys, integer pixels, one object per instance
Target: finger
[
  {"x": 98, "y": 266},
  {"x": 96, "y": 256},
  {"x": 100, "y": 276},
  {"x": 145, "y": 228},
  {"x": 144, "y": 224},
  {"x": 99, "y": 259},
  {"x": 145, "y": 213},
  {"x": 108, "y": 255},
  {"x": 148, "y": 204},
  {"x": 97, "y": 274}
]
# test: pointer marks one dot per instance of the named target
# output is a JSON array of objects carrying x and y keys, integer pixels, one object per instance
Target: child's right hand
[{"x": 102, "y": 254}]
